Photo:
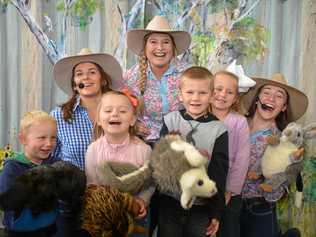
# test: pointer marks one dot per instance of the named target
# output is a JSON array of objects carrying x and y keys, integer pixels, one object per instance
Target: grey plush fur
[{"x": 168, "y": 165}]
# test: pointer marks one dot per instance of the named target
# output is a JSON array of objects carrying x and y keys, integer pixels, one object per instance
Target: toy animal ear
[
  {"x": 192, "y": 155},
  {"x": 187, "y": 180},
  {"x": 309, "y": 131}
]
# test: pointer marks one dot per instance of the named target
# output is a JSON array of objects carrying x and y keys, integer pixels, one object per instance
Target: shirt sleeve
[
  {"x": 238, "y": 169},
  {"x": 217, "y": 171}
]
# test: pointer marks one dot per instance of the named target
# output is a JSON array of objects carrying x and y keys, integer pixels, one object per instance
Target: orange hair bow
[{"x": 132, "y": 98}]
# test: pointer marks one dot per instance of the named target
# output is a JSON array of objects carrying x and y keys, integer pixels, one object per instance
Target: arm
[
  {"x": 217, "y": 171},
  {"x": 239, "y": 168},
  {"x": 90, "y": 165}
]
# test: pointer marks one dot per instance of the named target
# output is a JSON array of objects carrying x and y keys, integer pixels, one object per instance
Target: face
[
  {"x": 116, "y": 115},
  {"x": 274, "y": 100},
  {"x": 39, "y": 140},
  {"x": 225, "y": 92},
  {"x": 159, "y": 50},
  {"x": 195, "y": 95},
  {"x": 89, "y": 75}
]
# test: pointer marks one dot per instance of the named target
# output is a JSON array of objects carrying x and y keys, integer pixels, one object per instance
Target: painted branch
[{"x": 47, "y": 44}]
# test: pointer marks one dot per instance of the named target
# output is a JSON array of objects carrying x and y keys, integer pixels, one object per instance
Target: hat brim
[
  {"x": 63, "y": 69},
  {"x": 297, "y": 104},
  {"x": 135, "y": 40}
]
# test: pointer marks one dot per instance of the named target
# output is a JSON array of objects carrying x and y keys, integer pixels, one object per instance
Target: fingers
[{"x": 212, "y": 228}]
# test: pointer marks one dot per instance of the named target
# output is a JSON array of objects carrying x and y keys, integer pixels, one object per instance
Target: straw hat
[
  {"x": 63, "y": 68},
  {"x": 297, "y": 103},
  {"x": 159, "y": 24}
]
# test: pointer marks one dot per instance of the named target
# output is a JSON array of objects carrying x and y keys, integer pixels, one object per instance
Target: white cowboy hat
[
  {"x": 244, "y": 82},
  {"x": 297, "y": 102},
  {"x": 63, "y": 68},
  {"x": 159, "y": 24}
]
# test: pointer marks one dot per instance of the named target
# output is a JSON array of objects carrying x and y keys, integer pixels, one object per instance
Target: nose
[{"x": 160, "y": 45}]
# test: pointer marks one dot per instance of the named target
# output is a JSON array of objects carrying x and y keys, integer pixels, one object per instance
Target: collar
[
  {"x": 117, "y": 147},
  {"x": 203, "y": 118},
  {"x": 170, "y": 71},
  {"x": 20, "y": 157}
]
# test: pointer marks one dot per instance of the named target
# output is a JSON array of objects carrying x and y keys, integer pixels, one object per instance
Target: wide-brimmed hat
[
  {"x": 63, "y": 68},
  {"x": 297, "y": 102},
  {"x": 159, "y": 24}
]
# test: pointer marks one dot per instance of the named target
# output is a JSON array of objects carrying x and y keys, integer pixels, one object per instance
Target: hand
[
  {"x": 142, "y": 129},
  {"x": 142, "y": 212},
  {"x": 228, "y": 196},
  {"x": 253, "y": 175},
  {"x": 298, "y": 153},
  {"x": 266, "y": 187},
  {"x": 212, "y": 228}
]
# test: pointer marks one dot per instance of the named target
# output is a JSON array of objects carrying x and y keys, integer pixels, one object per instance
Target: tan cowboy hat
[
  {"x": 297, "y": 103},
  {"x": 63, "y": 68},
  {"x": 159, "y": 24}
]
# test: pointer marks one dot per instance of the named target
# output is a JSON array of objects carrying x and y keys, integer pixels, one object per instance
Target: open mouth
[
  {"x": 114, "y": 123},
  {"x": 160, "y": 54},
  {"x": 267, "y": 107}
]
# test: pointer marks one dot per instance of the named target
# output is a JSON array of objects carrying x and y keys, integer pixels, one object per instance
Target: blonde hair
[
  {"x": 98, "y": 130},
  {"x": 35, "y": 117},
  {"x": 198, "y": 73},
  {"x": 236, "y": 106}
]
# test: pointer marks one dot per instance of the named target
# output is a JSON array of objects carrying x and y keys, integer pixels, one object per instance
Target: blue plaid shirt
[{"x": 73, "y": 137}]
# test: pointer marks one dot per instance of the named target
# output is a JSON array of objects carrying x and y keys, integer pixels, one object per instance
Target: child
[
  {"x": 38, "y": 138},
  {"x": 197, "y": 126},
  {"x": 116, "y": 141},
  {"x": 224, "y": 106}
]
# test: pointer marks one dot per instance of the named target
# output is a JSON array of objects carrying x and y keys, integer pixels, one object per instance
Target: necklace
[{"x": 189, "y": 137}]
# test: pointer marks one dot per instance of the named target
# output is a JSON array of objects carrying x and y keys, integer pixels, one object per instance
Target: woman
[
  {"x": 155, "y": 79},
  {"x": 271, "y": 106},
  {"x": 84, "y": 77}
]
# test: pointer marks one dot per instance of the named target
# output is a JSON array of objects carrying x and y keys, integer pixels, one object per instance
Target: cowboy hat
[
  {"x": 159, "y": 24},
  {"x": 297, "y": 102},
  {"x": 63, "y": 68}
]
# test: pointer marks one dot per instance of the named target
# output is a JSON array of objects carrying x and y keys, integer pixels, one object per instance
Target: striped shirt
[{"x": 74, "y": 136}]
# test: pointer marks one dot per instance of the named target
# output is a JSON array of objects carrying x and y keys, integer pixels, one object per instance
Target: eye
[
  {"x": 298, "y": 134},
  {"x": 200, "y": 182}
]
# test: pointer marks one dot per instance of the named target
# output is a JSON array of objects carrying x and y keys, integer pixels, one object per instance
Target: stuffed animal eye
[
  {"x": 200, "y": 182},
  {"x": 298, "y": 134}
]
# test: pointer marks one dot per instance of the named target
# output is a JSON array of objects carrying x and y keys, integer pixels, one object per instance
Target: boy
[
  {"x": 38, "y": 138},
  {"x": 202, "y": 129}
]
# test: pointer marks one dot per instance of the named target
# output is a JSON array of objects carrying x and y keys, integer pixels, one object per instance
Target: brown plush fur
[{"x": 109, "y": 213}]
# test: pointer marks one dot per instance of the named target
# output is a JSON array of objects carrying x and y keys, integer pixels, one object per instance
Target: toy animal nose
[{"x": 287, "y": 132}]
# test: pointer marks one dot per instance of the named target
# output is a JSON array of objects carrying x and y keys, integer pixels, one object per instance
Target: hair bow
[{"x": 132, "y": 98}]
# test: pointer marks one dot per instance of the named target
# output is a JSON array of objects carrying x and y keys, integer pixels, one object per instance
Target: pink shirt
[
  {"x": 133, "y": 151},
  {"x": 239, "y": 151}
]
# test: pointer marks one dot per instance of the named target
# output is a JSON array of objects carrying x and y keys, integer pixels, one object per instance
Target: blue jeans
[
  {"x": 230, "y": 223},
  {"x": 258, "y": 218},
  {"x": 174, "y": 221}
]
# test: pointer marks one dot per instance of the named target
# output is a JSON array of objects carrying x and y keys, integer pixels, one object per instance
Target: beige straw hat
[
  {"x": 63, "y": 68},
  {"x": 159, "y": 24},
  {"x": 297, "y": 103}
]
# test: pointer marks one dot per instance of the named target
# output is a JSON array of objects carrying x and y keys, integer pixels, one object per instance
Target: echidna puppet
[
  {"x": 279, "y": 163},
  {"x": 95, "y": 211}
]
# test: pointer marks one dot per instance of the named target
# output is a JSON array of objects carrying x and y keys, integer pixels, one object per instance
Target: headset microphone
[{"x": 81, "y": 85}]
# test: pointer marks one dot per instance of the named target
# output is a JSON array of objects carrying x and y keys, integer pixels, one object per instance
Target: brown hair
[
  {"x": 236, "y": 106},
  {"x": 67, "y": 107},
  {"x": 281, "y": 120},
  {"x": 197, "y": 72},
  {"x": 98, "y": 130}
]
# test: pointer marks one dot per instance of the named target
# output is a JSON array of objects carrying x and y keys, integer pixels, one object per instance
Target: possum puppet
[
  {"x": 175, "y": 166},
  {"x": 282, "y": 159},
  {"x": 179, "y": 169}
]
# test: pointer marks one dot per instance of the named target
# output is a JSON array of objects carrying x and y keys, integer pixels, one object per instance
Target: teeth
[{"x": 159, "y": 54}]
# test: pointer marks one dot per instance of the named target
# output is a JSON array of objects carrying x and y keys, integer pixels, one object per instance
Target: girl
[
  {"x": 156, "y": 77},
  {"x": 116, "y": 141},
  {"x": 85, "y": 77},
  {"x": 271, "y": 107},
  {"x": 224, "y": 105}
]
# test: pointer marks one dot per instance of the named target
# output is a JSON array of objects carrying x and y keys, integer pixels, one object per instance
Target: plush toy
[
  {"x": 282, "y": 159},
  {"x": 178, "y": 168},
  {"x": 103, "y": 211}
]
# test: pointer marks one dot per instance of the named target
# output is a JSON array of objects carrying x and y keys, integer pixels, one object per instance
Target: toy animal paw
[
  {"x": 266, "y": 187},
  {"x": 273, "y": 140}
]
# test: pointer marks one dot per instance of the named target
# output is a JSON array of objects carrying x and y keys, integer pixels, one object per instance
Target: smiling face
[
  {"x": 39, "y": 140},
  {"x": 225, "y": 92},
  {"x": 115, "y": 115},
  {"x": 89, "y": 75},
  {"x": 272, "y": 101},
  {"x": 159, "y": 51},
  {"x": 195, "y": 95}
]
